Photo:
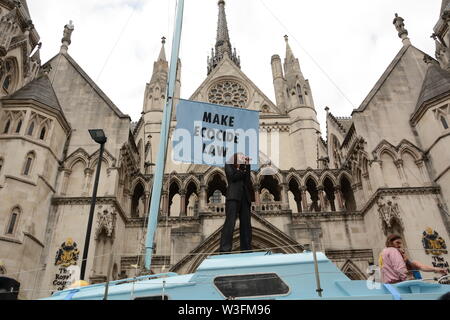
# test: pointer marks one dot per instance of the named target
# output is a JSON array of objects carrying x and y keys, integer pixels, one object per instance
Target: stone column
[
  {"x": 165, "y": 203},
  {"x": 320, "y": 190},
  {"x": 203, "y": 201},
  {"x": 87, "y": 181},
  {"x": 65, "y": 182},
  {"x": 377, "y": 174},
  {"x": 256, "y": 188},
  {"x": 183, "y": 204},
  {"x": 284, "y": 196},
  {"x": 401, "y": 172},
  {"x": 146, "y": 203},
  {"x": 423, "y": 173},
  {"x": 304, "y": 200},
  {"x": 339, "y": 198}
]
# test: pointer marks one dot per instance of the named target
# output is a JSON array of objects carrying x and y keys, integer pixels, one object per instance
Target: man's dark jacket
[{"x": 239, "y": 182}]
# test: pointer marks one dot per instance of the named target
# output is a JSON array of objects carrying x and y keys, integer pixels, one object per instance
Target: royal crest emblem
[
  {"x": 433, "y": 243},
  {"x": 67, "y": 254}
]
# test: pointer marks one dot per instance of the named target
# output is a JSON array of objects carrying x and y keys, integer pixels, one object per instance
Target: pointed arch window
[
  {"x": 1, "y": 165},
  {"x": 19, "y": 126},
  {"x": 444, "y": 122},
  {"x": 12, "y": 224},
  {"x": 300, "y": 95},
  {"x": 8, "y": 76},
  {"x": 28, "y": 166},
  {"x": 30, "y": 129},
  {"x": 43, "y": 133},
  {"x": 7, "y": 126}
]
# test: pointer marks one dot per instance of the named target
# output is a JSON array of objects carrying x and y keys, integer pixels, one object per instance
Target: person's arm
[
  {"x": 233, "y": 174},
  {"x": 422, "y": 267},
  {"x": 398, "y": 264}
]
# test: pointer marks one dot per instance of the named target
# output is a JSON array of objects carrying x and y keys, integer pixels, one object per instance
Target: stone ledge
[{"x": 12, "y": 240}]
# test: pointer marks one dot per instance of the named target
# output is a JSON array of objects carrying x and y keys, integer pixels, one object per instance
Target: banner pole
[{"x": 164, "y": 139}]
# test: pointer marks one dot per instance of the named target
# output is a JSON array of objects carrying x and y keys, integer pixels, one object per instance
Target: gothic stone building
[{"x": 385, "y": 169}]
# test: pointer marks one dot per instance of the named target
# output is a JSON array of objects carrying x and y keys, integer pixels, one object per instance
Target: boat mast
[{"x": 164, "y": 139}]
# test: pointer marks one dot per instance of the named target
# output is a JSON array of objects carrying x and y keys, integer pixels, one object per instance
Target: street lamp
[{"x": 98, "y": 135}]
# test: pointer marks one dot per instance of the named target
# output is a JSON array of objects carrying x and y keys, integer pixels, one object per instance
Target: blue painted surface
[{"x": 296, "y": 270}]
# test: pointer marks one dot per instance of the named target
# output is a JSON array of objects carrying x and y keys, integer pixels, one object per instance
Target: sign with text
[{"x": 212, "y": 134}]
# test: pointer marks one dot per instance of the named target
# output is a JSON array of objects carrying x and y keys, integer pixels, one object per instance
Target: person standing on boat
[
  {"x": 397, "y": 267},
  {"x": 239, "y": 198}
]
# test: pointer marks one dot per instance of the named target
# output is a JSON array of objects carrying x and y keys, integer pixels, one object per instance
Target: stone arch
[
  {"x": 411, "y": 168},
  {"x": 138, "y": 199},
  {"x": 13, "y": 220},
  {"x": 173, "y": 178},
  {"x": 352, "y": 271},
  {"x": 347, "y": 193},
  {"x": 310, "y": 175},
  {"x": 272, "y": 185},
  {"x": 312, "y": 190},
  {"x": 76, "y": 178},
  {"x": 328, "y": 175},
  {"x": 329, "y": 187},
  {"x": 9, "y": 77},
  {"x": 8, "y": 122},
  {"x": 389, "y": 169},
  {"x": 174, "y": 198},
  {"x": 216, "y": 182},
  {"x": 192, "y": 197},
  {"x": 29, "y": 163},
  {"x": 191, "y": 179},
  {"x": 262, "y": 240},
  {"x": 295, "y": 191},
  {"x": 213, "y": 171},
  {"x": 77, "y": 155}
]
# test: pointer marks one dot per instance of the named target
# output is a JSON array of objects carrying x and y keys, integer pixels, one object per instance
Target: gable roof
[
  {"x": 436, "y": 83},
  {"x": 240, "y": 74},
  {"x": 91, "y": 82},
  {"x": 40, "y": 90}
]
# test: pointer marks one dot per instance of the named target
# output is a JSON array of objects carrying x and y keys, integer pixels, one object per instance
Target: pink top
[{"x": 393, "y": 268}]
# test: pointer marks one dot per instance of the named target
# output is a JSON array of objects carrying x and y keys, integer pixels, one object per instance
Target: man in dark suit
[{"x": 239, "y": 198}]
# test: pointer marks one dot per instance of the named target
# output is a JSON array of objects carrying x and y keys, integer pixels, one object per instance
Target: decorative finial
[
  {"x": 399, "y": 24},
  {"x": 221, "y": 2},
  {"x": 163, "y": 40},
  {"x": 67, "y": 36},
  {"x": 286, "y": 38},
  {"x": 327, "y": 109}
]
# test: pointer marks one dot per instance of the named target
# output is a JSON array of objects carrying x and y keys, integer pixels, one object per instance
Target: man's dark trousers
[{"x": 235, "y": 209}]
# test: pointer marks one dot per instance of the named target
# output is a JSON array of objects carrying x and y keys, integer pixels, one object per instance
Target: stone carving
[
  {"x": 228, "y": 93},
  {"x": 68, "y": 29},
  {"x": 389, "y": 212},
  {"x": 106, "y": 221},
  {"x": 8, "y": 28},
  {"x": 67, "y": 254},
  {"x": 399, "y": 23}
]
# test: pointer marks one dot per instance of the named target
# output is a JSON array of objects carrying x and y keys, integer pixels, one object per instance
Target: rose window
[{"x": 228, "y": 93}]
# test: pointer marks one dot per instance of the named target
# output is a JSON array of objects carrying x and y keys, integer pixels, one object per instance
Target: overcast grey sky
[{"x": 350, "y": 41}]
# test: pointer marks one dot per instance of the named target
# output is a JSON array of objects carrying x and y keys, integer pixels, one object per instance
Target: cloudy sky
[{"x": 343, "y": 46}]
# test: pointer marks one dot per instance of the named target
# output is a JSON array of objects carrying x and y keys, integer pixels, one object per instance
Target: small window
[
  {"x": 28, "y": 164},
  {"x": 8, "y": 124},
  {"x": 155, "y": 298},
  {"x": 19, "y": 126},
  {"x": 252, "y": 285},
  {"x": 30, "y": 129},
  {"x": 1, "y": 165},
  {"x": 13, "y": 221},
  {"x": 42, "y": 135},
  {"x": 444, "y": 122}
]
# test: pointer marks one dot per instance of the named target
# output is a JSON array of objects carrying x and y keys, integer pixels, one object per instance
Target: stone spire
[
  {"x": 399, "y": 24},
  {"x": 67, "y": 37},
  {"x": 162, "y": 54},
  {"x": 223, "y": 44},
  {"x": 291, "y": 65}
]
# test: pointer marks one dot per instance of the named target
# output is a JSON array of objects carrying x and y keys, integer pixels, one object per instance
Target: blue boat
[{"x": 261, "y": 275}]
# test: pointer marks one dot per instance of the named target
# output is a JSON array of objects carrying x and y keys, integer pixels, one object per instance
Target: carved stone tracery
[
  {"x": 106, "y": 221},
  {"x": 389, "y": 212},
  {"x": 228, "y": 93}
]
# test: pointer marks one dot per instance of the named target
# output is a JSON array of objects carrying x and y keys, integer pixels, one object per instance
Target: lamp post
[{"x": 98, "y": 135}]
